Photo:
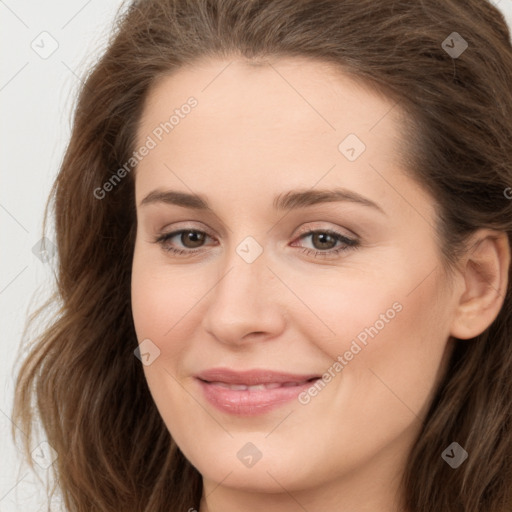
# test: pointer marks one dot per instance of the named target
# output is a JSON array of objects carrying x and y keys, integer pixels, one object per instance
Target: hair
[{"x": 81, "y": 379}]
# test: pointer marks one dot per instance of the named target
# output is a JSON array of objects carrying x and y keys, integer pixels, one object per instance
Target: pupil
[
  {"x": 322, "y": 237},
  {"x": 192, "y": 236}
]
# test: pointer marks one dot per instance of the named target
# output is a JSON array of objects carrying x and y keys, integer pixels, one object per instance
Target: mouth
[
  {"x": 260, "y": 387},
  {"x": 248, "y": 393}
]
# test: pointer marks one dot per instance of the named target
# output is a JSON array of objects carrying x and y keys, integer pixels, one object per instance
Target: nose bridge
[
  {"x": 243, "y": 299},
  {"x": 245, "y": 277}
]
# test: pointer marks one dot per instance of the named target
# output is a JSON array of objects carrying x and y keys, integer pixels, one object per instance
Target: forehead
[
  {"x": 308, "y": 95},
  {"x": 289, "y": 123}
]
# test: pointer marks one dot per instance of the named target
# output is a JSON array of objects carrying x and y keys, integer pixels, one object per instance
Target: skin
[{"x": 259, "y": 131}]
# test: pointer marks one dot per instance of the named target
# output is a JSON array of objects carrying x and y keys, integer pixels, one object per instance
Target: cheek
[
  {"x": 389, "y": 369},
  {"x": 388, "y": 335},
  {"x": 353, "y": 306},
  {"x": 398, "y": 303},
  {"x": 161, "y": 300},
  {"x": 160, "y": 303},
  {"x": 402, "y": 338}
]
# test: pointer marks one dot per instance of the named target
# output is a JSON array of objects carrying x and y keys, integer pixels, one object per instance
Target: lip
[{"x": 227, "y": 390}]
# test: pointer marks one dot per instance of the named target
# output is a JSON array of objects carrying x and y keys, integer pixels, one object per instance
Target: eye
[
  {"x": 191, "y": 239},
  {"x": 325, "y": 241}
]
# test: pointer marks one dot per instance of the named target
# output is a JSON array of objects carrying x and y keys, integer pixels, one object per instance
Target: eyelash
[{"x": 350, "y": 243}]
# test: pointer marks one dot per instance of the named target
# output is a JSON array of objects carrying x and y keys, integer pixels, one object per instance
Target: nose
[{"x": 244, "y": 304}]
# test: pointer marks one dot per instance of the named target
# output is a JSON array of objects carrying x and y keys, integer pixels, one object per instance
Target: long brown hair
[{"x": 88, "y": 389}]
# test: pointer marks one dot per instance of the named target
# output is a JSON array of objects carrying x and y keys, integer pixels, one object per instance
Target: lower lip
[{"x": 250, "y": 403}]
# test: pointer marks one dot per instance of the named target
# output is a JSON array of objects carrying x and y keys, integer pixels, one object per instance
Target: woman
[{"x": 284, "y": 262}]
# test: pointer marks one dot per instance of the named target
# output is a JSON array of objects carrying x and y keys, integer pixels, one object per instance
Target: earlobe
[{"x": 485, "y": 272}]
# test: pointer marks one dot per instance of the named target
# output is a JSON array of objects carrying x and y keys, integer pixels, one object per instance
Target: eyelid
[
  {"x": 186, "y": 226},
  {"x": 320, "y": 226},
  {"x": 305, "y": 229}
]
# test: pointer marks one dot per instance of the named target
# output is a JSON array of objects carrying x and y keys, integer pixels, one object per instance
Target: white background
[{"x": 36, "y": 98}]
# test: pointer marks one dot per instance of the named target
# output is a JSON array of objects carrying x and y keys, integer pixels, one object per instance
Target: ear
[{"x": 484, "y": 270}]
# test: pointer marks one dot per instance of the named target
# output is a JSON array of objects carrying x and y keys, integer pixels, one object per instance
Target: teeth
[
  {"x": 288, "y": 384},
  {"x": 237, "y": 387},
  {"x": 272, "y": 385},
  {"x": 257, "y": 387}
]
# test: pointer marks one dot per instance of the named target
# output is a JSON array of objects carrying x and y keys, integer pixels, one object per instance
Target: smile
[{"x": 251, "y": 392}]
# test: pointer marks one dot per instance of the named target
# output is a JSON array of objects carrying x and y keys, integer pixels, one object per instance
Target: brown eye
[
  {"x": 185, "y": 241},
  {"x": 323, "y": 241},
  {"x": 192, "y": 239}
]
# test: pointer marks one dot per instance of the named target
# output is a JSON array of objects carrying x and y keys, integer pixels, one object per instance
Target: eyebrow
[{"x": 291, "y": 200}]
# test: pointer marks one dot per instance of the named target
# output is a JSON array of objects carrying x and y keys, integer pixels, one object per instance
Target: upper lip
[{"x": 252, "y": 377}]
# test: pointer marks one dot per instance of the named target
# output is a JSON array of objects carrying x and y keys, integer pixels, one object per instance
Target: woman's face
[{"x": 310, "y": 254}]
